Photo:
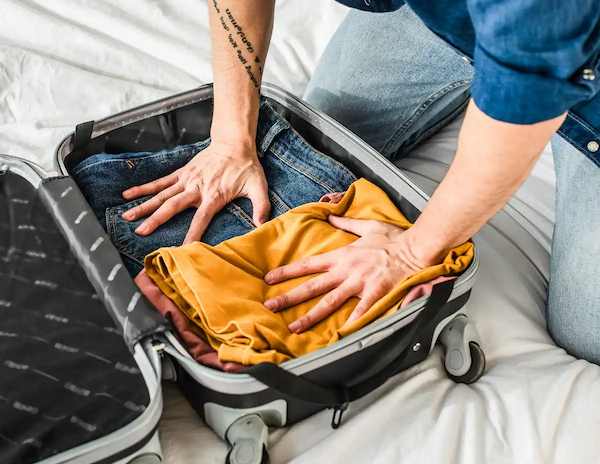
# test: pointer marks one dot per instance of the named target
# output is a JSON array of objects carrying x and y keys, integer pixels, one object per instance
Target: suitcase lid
[{"x": 74, "y": 384}]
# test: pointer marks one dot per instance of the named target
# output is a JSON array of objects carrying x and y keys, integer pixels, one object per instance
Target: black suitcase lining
[{"x": 66, "y": 375}]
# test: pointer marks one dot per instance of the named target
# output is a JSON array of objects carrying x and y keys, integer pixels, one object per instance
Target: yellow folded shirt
[{"x": 221, "y": 288}]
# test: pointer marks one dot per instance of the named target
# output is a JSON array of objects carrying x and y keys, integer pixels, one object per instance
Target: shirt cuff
[{"x": 515, "y": 96}]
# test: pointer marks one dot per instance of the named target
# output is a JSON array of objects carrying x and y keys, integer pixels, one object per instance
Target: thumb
[
  {"x": 361, "y": 227},
  {"x": 261, "y": 205},
  {"x": 358, "y": 227}
]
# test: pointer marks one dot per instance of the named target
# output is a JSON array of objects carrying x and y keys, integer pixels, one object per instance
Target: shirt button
[
  {"x": 466, "y": 60},
  {"x": 593, "y": 146},
  {"x": 588, "y": 74}
]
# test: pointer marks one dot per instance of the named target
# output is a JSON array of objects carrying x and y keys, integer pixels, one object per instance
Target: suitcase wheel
[
  {"x": 146, "y": 459},
  {"x": 264, "y": 458},
  {"x": 464, "y": 358},
  {"x": 247, "y": 437},
  {"x": 476, "y": 369}
]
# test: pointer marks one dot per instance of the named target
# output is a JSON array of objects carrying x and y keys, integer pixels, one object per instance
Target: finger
[
  {"x": 150, "y": 188},
  {"x": 303, "y": 292},
  {"x": 166, "y": 211},
  {"x": 310, "y": 265},
  {"x": 261, "y": 205},
  {"x": 363, "y": 306},
  {"x": 332, "y": 197},
  {"x": 325, "y": 307},
  {"x": 153, "y": 203},
  {"x": 360, "y": 227},
  {"x": 200, "y": 222}
]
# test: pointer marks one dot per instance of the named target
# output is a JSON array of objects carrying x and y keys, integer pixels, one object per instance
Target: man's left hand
[{"x": 368, "y": 269}]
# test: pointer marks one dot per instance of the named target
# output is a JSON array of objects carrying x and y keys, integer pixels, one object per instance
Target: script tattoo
[{"x": 244, "y": 49}]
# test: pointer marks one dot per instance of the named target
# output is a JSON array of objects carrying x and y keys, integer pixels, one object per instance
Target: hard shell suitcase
[{"x": 238, "y": 406}]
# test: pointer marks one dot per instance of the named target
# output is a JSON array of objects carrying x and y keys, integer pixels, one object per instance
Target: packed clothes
[
  {"x": 213, "y": 292},
  {"x": 222, "y": 289},
  {"x": 296, "y": 174}
]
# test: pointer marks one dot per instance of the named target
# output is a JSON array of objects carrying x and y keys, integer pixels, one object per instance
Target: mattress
[{"x": 68, "y": 61}]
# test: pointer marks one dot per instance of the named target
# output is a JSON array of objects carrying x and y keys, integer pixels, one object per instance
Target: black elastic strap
[
  {"x": 83, "y": 135},
  {"x": 385, "y": 365},
  {"x": 295, "y": 386},
  {"x": 303, "y": 389},
  {"x": 168, "y": 127}
]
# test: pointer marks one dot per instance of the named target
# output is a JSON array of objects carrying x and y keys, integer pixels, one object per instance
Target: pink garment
[
  {"x": 422, "y": 290},
  {"x": 191, "y": 335}
]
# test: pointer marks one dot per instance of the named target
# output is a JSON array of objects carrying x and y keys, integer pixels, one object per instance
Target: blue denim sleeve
[
  {"x": 377, "y": 6},
  {"x": 534, "y": 59}
]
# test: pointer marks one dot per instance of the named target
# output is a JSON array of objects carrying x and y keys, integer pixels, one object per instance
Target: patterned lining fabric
[{"x": 66, "y": 376}]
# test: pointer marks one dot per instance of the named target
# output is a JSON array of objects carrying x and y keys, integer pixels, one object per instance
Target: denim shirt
[{"x": 533, "y": 59}]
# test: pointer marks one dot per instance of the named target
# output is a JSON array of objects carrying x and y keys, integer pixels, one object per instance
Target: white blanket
[{"x": 67, "y": 61}]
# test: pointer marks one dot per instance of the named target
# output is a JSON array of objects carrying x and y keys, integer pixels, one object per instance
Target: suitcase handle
[{"x": 299, "y": 387}]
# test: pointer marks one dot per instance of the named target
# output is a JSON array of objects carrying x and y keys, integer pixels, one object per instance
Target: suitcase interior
[
  {"x": 186, "y": 119},
  {"x": 69, "y": 384},
  {"x": 166, "y": 128}
]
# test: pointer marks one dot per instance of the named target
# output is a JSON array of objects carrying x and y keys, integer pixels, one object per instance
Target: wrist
[
  {"x": 422, "y": 249},
  {"x": 234, "y": 129},
  {"x": 245, "y": 140},
  {"x": 235, "y": 117}
]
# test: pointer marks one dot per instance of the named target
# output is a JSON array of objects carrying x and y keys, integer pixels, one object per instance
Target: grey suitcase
[{"x": 240, "y": 407}]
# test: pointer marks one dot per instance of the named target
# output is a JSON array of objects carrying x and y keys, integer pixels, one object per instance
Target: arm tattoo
[{"x": 245, "y": 52}]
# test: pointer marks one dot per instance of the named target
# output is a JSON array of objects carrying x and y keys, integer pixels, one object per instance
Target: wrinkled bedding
[{"x": 66, "y": 61}]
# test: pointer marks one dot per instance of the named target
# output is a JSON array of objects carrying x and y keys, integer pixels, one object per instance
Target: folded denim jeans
[{"x": 296, "y": 174}]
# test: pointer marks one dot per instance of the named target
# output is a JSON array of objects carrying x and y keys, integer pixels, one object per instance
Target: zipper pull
[
  {"x": 338, "y": 412},
  {"x": 159, "y": 347}
]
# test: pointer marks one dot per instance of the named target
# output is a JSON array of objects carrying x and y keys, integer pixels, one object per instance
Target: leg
[
  {"x": 390, "y": 80},
  {"x": 574, "y": 293}
]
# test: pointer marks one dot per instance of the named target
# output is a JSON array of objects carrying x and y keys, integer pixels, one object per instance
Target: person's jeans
[
  {"x": 394, "y": 83},
  {"x": 296, "y": 174}
]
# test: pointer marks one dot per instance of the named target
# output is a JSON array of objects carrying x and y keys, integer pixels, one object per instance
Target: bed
[{"x": 67, "y": 61}]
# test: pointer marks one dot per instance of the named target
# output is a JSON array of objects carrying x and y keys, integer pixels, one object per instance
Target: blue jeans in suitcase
[{"x": 296, "y": 174}]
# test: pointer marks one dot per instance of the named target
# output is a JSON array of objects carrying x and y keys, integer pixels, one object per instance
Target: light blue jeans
[{"x": 394, "y": 83}]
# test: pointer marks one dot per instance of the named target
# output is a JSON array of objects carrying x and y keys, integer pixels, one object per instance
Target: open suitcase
[{"x": 82, "y": 353}]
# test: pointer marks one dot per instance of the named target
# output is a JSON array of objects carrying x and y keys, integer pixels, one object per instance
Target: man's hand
[
  {"x": 213, "y": 178},
  {"x": 229, "y": 167},
  {"x": 368, "y": 269}
]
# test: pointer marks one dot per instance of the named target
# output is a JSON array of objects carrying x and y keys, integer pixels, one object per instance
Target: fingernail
[
  {"x": 268, "y": 278},
  {"x": 295, "y": 327},
  {"x": 142, "y": 229},
  {"x": 127, "y": 215},
  {"x": 271, "y": 304},
  {"x": 261, "y": 220}
]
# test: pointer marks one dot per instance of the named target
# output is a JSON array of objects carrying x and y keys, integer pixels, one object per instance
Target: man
[{"x": 395, "y": 79}]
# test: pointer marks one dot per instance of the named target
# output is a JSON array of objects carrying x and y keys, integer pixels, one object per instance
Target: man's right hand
[
  {"x": 210, "y": 180},
  {"x": 229, "y": 167}
]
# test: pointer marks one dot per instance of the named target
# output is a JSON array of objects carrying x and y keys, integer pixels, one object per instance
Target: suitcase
[{"x": 239, "y": 407}]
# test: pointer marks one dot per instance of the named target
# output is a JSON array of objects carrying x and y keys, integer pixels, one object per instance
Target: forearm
[
  {"x": 240, "y": 34},
  {"x": 492, "y": 160}
]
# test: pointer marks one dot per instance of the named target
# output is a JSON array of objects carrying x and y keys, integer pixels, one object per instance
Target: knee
[{"x": 574, "y": 316}]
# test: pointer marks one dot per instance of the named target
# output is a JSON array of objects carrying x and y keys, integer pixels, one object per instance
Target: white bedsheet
[{"x": 66, "y": 61}]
